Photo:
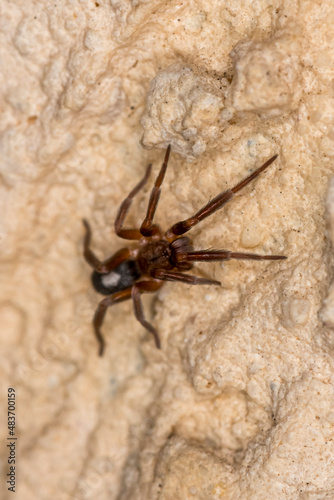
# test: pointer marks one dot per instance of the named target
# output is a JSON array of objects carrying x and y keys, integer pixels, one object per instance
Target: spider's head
[
  {"x": 180, "y": 247},
  {"x": 120, "y": 278}
]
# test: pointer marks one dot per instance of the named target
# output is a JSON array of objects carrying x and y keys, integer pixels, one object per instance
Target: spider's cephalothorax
[{"x": 159, "y": 256}]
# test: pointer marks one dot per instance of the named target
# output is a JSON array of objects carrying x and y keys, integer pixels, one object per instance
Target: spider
[{"x": 158, "y": 256}]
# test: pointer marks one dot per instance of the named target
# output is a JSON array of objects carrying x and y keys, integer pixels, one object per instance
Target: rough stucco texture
[{"x": 239, "y": 402}]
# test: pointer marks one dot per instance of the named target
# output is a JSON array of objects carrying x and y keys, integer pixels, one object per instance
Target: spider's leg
[
  {"x": 107, "y": 265},
  {"x": 130, "y": 234},
  {"x": 215, "y": 204},
  {"x": 162, "y": 274},
  {"x": 115, "y": 260},
  {"x": 219, "y": 255},
  {"x": 148, "y": 228},
  {"x": 89, "y": 255},
  {"x": 101, "y": 311},
  {"x": 137, "y": 289}
]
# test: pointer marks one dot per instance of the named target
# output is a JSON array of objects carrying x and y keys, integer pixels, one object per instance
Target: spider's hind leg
[
  {"x": 101, "y": 312},
  {"x": 102, "y": 266},
  {"x": 137, "y": 289},
  {"x": 89, "y": 255}
]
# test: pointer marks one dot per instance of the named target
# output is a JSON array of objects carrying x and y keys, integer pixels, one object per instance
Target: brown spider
[{"x": 159, "y": 256}]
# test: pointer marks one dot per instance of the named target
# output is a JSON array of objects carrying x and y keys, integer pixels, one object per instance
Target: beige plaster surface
[{"x": 239, "y": 402}]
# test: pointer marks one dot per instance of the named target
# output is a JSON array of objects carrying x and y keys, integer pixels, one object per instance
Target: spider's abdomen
[{"x": 120, "y": 278}]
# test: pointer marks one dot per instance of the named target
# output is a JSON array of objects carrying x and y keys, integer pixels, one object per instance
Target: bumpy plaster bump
[
  {"x": 182, "y": 111},
  {"x": 267, "y": 76},
  {"x": 327, "y": 312}
]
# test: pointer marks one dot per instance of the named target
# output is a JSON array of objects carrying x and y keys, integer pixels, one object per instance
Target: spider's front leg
[
  {"x": 130, "y": 234},
  {"x": 163, "y": 274},
  {"x": 217, "y": 203},
  {"x": 220, "y": 255},
  {"x": 148, "y": 228}
]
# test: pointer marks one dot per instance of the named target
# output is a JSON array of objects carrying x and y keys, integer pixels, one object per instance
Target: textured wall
[{"x": 239, "y": 403}]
